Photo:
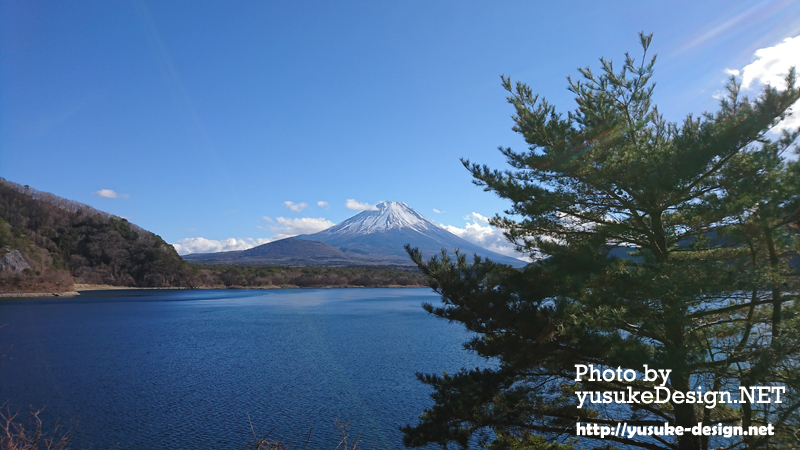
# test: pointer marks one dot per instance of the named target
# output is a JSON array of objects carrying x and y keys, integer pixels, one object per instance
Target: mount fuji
[
  {"x": 372, "y": 237},
  {"x": 385, "y": 230}
]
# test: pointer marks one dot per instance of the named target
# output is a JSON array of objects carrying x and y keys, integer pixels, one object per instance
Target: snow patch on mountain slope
[{"x": 387, "y": 216}]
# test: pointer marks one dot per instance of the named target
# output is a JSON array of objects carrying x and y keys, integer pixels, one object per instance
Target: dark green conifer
[{"x": 658, "y": 243}]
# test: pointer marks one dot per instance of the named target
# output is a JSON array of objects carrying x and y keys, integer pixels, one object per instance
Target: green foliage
[
  {"x": 278, "y": 276},
  {"x": 526, "y": 442},
  {"x": 671, "y": 245}
]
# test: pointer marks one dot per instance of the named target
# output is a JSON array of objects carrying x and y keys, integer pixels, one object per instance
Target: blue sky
[{"x": 204, "y": 119}]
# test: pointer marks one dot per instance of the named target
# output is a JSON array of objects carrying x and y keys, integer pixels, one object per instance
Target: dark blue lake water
[{"x": 183, "y": 369}]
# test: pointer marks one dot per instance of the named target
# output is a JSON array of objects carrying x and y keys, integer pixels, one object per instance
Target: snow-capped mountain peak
[
  {"x": 374, "y": 237},
  {"x": 387, "y": 216}
]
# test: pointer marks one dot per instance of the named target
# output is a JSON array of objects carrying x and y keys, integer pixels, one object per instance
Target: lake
[{"x": 170, "y": 369}]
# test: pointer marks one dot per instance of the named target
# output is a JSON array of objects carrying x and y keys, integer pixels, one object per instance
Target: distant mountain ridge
[
  {"x": 285, "y": 252},
  {"x": 371, "y": 237},
  {"x": 390, "y": 226}
]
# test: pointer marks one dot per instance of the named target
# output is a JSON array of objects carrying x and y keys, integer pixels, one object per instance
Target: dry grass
[
  {"x": 347, "y": 440},
  {"x": 17, "y": 436}
]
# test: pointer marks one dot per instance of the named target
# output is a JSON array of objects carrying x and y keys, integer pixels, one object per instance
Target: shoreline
[
  {"x": 107, "y": 287},
  {"x": 38, "y": 294}
]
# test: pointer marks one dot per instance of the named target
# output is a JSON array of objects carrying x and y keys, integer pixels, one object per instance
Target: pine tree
[{"x": 662, "y": 244}]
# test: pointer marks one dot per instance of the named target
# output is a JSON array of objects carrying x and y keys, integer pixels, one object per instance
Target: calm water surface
[{"x": 183, "y": 369}]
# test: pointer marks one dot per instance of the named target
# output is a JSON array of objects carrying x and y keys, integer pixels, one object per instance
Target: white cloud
[
  {"x": 108, "y": 193},
  {"x": 296, "y": 207},
  {"x": 323, "y": 204},
  {"x": 203, "y": 245},
  {"x": 285, "y": 227},
  {"x": 304, "y": 225},
  {"x": 358, "y": 206},
  {"x": 436, "y": 211},
  {"x": 770, "y": 66},
  {"x": 478, "y": 231}
]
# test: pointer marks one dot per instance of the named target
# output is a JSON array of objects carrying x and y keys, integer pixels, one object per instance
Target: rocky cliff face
[{"x": 13, "y": 261}]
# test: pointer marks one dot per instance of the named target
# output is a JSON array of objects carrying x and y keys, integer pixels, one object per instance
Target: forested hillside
[
  {"x": 48, "y": 243},
  {"x": 64, "y": 240}
]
